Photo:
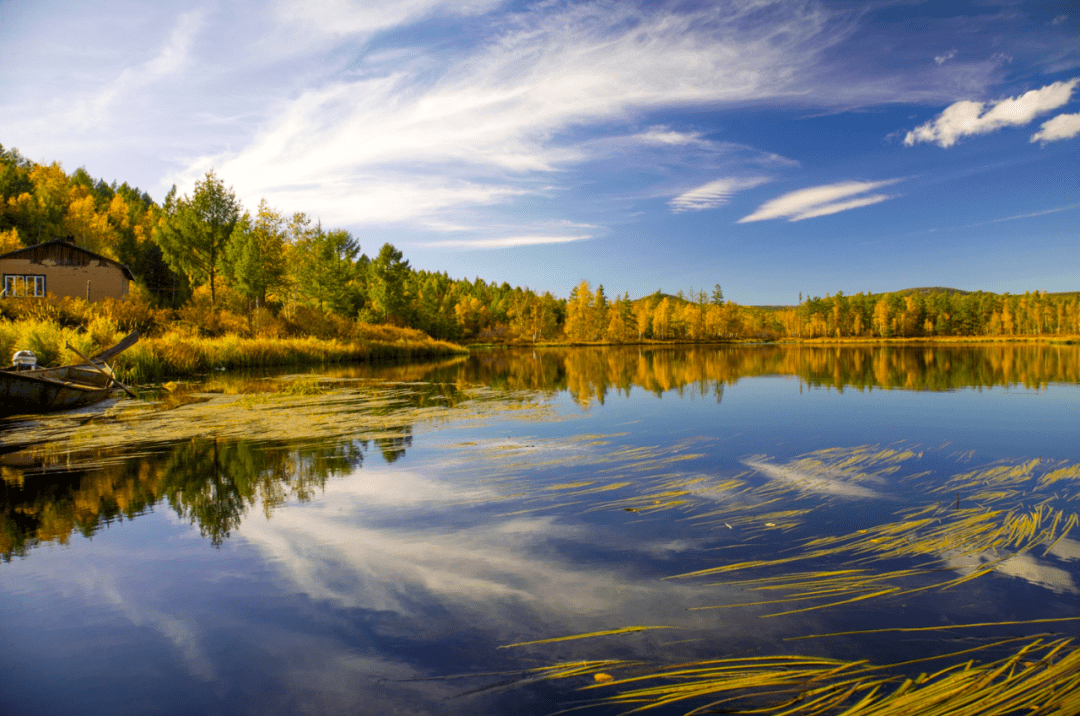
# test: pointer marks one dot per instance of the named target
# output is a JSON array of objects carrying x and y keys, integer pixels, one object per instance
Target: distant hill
[
  {"x": 926, "y": 290},
  {"x": 654, "y": 298}
]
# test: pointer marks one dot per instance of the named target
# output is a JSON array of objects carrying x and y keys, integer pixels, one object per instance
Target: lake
[{"x": 789, "y": 528}]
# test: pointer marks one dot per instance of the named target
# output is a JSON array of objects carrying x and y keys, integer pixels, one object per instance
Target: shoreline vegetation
[{"x": 219, "y": 287}]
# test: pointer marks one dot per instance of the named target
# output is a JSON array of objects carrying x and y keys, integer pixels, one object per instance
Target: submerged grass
[
  {"x": 1004, "y": 515},
  {"x": 1040, "y": 677},
  {"x": 1009, "y": 513},
  {"x": 590, "y": 635},
  {"x": 290, "y": 409},
  {"x": 970, "y": 524}
]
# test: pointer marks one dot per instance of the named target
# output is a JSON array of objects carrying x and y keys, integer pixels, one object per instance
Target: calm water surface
[{"x": 385, "y": 540}]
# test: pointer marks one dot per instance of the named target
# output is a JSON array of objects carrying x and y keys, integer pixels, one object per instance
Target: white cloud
[
  {"x": 357, "y": 549},
  {"x": 350, "y": 17},
  {"x": 713, "y": 194},
  {"x": 967, "y": 117},
  {"x": 660, "y": 136},
  {"x": 820, "y": 201},
  {"x": 505, "y": 242},
  {"x": 1063, "y": 126},
  {"x": 942, "y": 59},
  {"x": 343, "y": 199},
  {"x": 837, "y": 207},
  {"x": 509, "y": 107},
  {"x": 173, "y": 58}
]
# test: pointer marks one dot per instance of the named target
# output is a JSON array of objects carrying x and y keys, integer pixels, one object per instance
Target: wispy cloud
[
  {"x": 1063, "y": 126},
  {"x": 820, "y": 201},
  {"x": 942, "y": 59},
  {"x": 173, "y": 58},
  {"x": 660, "y": 136},
  {"x": 523, "y": 101},
  {"x": 968, "y": 117},
  {"x": 505, "y": 242},
  {"x": 1024, "y": 216},
  {"x": 346, "y": 199},
  {"x": 713, "y": 194},
  {"x": 352, "y": 17}
]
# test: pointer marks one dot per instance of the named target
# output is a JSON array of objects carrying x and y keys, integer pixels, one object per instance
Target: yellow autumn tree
[
  {"x": 41, "y": 213},
  {"x": 882, "y": 317},
  {"x": 661, "y": 322},
  {"x": 641, "y": 318},
  {"x": 9, "y": 240},
  {"x": 90, "y": 229},
  {"x": 617, "y": 331},
  {"x": 581, "y": 314}
]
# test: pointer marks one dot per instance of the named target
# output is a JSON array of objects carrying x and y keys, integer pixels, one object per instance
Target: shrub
[
  {"x": 45, "y": 339},
  {"x": 9, "y": 339},
  {"x": 214, "y": 319},
  {"x": 136, "y": 312}
]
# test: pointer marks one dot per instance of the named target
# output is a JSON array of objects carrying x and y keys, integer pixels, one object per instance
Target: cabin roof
[{"x": 64, "y": 253}]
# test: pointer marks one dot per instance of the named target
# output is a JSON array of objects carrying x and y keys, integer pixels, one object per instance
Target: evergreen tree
[
  {"x": 325, "y": 270},
  {"x": 194, "y": 232},
  {"x": 386, "y": 289},
  {"x": 254, "y": 259}
]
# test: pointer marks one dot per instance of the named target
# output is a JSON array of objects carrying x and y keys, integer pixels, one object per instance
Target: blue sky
[{"x": 771, "y": 148}]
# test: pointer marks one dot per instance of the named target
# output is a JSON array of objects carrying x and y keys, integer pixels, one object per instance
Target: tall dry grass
[
  {"x": 183, "y": 352},
  {"x": 177, "y": 354},
  {"x": 47, "y": 338}
]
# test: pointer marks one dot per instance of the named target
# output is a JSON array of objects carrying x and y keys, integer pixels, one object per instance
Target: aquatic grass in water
[
  {"x": 934, "y": 539},
  {"x": 1040, "y": 677},
  {"x": 301, "y": 409},
  {"x": 775, "y": 564},
  {"x": 941, "y": 540}
]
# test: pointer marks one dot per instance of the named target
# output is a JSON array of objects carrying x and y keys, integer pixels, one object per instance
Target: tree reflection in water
[
  {"x": 214, "y": 482},
  {"x": 211, "y": 483}
]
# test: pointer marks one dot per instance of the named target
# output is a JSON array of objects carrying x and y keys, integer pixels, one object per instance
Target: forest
[{"x": 207, "y": 263}]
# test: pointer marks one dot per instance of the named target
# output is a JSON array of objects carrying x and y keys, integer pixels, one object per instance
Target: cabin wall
[{"x": 105, "y": 280}]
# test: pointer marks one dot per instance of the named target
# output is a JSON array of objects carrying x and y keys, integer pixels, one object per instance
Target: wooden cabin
[{"x": 61, "y": 268}]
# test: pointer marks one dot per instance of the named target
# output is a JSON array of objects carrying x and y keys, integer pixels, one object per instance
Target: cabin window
[{"x": 23, "y": 285}]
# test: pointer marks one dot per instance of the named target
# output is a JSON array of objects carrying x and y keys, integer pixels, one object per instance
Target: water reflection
[
  {"x": 312, "y": 427},
  {"x": 212, "y": 484},
  {"x": 591, "y": 374},
  {"x": 377, "y": 524}
]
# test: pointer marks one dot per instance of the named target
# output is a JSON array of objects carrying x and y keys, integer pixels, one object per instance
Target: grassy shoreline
[
  {"x": 174, "y": 355},
  {"x": 915, "y": 340},
  {"x": 920, "y": 340},
  {"x": 181, "y": 352}
]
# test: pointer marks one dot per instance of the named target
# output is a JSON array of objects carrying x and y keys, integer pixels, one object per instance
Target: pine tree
[{"x": 194, "y": 232}]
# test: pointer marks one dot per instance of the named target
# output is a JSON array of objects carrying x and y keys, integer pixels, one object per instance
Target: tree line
[
  {"x": 206, "y": 255},
  {"x": 932, "y": 312}
]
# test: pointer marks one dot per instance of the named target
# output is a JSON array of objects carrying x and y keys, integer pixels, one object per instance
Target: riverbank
[
  {"x": 936, "y": 340},
  {"x": 874, "y": 340},
  {"x": 175, "y": 355},
  {"x": 180, "y": 352}
]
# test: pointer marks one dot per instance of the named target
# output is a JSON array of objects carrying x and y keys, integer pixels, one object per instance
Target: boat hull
[
  {"x": 35, "y": 391},
  {"x": 71, "y": 386}
]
